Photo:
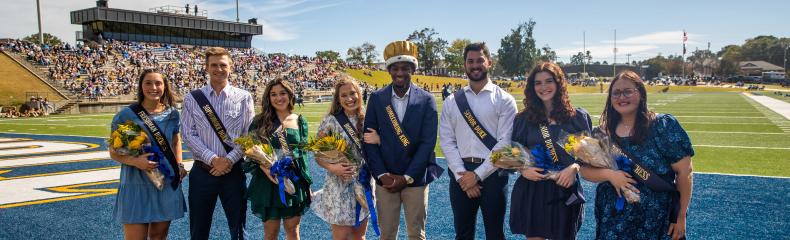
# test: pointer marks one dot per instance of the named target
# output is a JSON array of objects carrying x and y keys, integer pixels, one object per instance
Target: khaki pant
[{"x": 415, "y": 205}]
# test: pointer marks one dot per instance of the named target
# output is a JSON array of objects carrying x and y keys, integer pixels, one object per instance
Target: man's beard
[{"x": 483, "y": 75}]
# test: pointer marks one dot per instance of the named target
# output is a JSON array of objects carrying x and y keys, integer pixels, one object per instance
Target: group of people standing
[{"x": 393, "y": 138}]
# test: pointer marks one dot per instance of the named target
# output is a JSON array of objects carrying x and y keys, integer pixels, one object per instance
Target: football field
[{"x": 57, "y": 182}]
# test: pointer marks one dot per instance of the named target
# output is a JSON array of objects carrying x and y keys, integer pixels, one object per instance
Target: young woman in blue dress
[
  {"x": 144, "y": 210},
  {"x": 662, "y": 147}
]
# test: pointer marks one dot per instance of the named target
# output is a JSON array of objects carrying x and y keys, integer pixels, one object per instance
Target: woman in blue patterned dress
[
  {"x": 542, "y": 208},
  {"x": 335, "y": 203},
  {"x": 145, "y": 211},
  {"x": 662, "y": 147}
]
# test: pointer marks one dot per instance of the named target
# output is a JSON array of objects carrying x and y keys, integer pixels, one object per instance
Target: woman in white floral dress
[{"x": 335, "y": 203}]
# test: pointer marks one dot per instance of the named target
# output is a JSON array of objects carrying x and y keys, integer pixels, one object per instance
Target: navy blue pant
[
  {"x": 491, "y": 202},
  {"x": 204, "y": 189}
]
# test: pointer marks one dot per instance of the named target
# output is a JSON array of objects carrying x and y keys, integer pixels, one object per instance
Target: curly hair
[{"x": 533, "y": 106}]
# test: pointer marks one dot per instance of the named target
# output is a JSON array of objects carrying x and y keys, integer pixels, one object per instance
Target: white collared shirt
[
  {"x": 400, "y": 103},
  {"x": 495, "y": 109}
]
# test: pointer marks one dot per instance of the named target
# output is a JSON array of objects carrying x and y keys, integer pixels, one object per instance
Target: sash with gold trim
[
  {"x": 349, "y": 129},
  {"x": 471, "y": 120},
  {"x": 159, "y": 139},
  {"x": 395, "y": 122},
  {"x": 213, "y": 119},
  {"x": 654, "y": 182},
  {"x": 577, "y": 195}
]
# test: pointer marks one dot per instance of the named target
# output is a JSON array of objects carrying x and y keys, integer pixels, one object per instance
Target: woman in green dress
[{"x": 275, "y": 124}]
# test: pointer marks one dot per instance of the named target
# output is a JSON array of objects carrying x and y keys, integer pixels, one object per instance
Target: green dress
[{"x": 263, "y": 194}]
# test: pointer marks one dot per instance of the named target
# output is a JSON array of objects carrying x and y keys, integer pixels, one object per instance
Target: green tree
[
  {"x": 517, "y": 50},
  {"x": 455, "y": 55},
  {"x": 49, "y": 39},
  {"x": 578, "y": 59},
  {"x": 328, "y": 55},
  {"x": 430, "y": 47},
  {"x": 364, "y": 54},
  {"x": 547, "y": 54},
  {"x": 730, "y": 55}
]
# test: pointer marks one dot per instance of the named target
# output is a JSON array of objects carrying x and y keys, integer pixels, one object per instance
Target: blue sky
[{"x": 644, "y": 28}]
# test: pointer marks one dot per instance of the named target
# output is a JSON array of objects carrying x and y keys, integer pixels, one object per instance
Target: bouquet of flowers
[
  {"x": 131, "y": 140},
  {"x": 331, "y": 148},
  {"x": 257, "y": 152},
  {"x": 595, "y": 150},
  {"x": 512, "y": 157}
]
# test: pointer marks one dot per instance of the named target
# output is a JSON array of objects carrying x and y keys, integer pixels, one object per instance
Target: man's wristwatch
[{"x": 409, "y": 180}]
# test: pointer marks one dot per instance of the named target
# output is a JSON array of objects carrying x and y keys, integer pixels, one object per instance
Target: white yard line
[
  {"x": 755, "y": 133},
  {"x": 744, "y": 147}
]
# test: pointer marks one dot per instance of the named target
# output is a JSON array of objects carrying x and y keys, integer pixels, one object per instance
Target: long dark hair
[
  {"x": 562, "y": 109},
  {"x": 266, "y": 118},
  {"x": 644, "y": 116},
  {"x": 168, "y": 97},
  {"x": 338, "y": 108}
]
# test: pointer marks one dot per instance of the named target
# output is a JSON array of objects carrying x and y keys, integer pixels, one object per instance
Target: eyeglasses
[{"x": 627, "y": 93}]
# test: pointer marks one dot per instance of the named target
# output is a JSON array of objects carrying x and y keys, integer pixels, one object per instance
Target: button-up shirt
[
  {"x": 495, "y": 109},
  {"x": 235, "y": 109},
  {"x": 400, "y": 103}
]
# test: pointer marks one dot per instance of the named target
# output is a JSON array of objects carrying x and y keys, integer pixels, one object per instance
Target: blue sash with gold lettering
[
  {"x": 159, "y": 139},
  {"x": 213, "y": 119},
  {"x": 395, "y": 122},
  {"x": 471, "y": 120},
  {"x": 654, "y": 182}
]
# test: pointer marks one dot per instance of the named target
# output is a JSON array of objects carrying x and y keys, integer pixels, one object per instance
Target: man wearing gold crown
[{"x": 404, "y": 162}]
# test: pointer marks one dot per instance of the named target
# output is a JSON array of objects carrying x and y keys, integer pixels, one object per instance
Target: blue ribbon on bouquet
[
  {"x": 364, "y": 179},
  {"x": 623, "y": 164},
  {"x": 543, "y": 158},
  {"x": 158, "y": 156},
  {"x": 282, "y": 169}
]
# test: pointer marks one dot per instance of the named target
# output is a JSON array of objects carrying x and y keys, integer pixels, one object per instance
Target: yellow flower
[
  {"x": 572, "y": 141},
  {"x": 117, "y": 142},
  {"x": 134, "y": 144},
  {"x": 115, "y": 134}
]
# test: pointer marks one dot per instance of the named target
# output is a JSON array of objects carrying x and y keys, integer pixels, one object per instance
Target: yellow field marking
[
  {"x": 2, "y": 172},
  {"x": 59, "y": 173},
  {"x": 20, "y": 147},
  {"x": 71, "y": 189}
]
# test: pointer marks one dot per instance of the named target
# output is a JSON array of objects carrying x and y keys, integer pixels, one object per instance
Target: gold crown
[{"x": 401, "y": 51}]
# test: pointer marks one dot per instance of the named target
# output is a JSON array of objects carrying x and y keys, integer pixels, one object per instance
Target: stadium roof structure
[{"x": 162, "y": 25}]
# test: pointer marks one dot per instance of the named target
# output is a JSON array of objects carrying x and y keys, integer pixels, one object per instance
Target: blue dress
[
  {"x": 666, "y": 143},
  {"x": 537, "y": 208},
  {"x": 138, "y": 200}
]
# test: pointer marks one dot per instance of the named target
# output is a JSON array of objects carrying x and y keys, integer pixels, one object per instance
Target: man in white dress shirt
[{"x": 474, "y": 181}]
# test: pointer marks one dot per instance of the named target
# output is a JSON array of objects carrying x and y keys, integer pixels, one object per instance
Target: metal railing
[{"x": 185, "y": 10}]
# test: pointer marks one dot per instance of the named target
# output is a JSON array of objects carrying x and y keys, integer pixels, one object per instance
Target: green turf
[{"x": 732, "y": 134}]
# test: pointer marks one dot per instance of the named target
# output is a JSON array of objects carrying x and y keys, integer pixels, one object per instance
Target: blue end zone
[{"x": 723, "y": 207}]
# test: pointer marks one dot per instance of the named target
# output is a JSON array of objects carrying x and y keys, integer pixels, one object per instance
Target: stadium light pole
[
  {"x": 237, "y": 10},
  {"x": 785, "y": 64},
  {"x": 40, "y": 33}
]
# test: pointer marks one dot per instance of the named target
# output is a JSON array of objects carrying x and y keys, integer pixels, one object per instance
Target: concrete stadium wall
[
  {"x": 99, "y": 107},
  {"x": 16, "y": 81}
]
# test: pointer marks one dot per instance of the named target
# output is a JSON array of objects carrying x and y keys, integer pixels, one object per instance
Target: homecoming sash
[
  {"x": 349, "y": 129},
  {"x": 654, "y": 182},
  {"x": 576, "y": 197},
  {"x": 213, "y": 119},
  {"x": 471, "y": 120},
  {"x": 364, "y": 174},
  {"x": 395, "y": 122},
  {"x": 159, "y": 139}
]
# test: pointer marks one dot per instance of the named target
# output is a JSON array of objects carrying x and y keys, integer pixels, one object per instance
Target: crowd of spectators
[{"x": 100, "y": 71}]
